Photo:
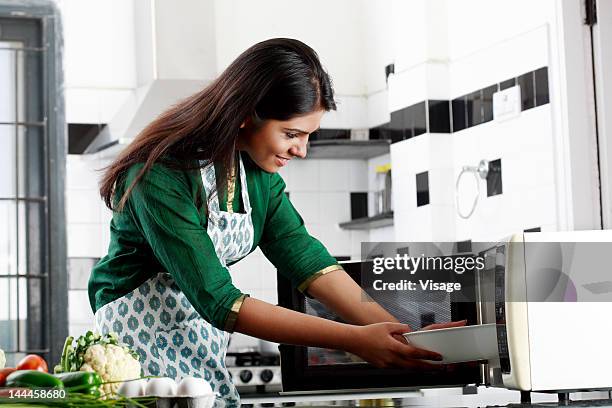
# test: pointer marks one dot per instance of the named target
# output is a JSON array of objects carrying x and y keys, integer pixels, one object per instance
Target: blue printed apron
[{"x": 158, "y": 322}]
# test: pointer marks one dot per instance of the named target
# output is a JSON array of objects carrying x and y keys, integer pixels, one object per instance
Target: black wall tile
[
  {"x": 527, "y": 90},
  {"x": 439, "y": 116},
  {"x": 459, "y": 113},
  {"x": 359, "y": 205},
  {"x": 464, "y": 246},
  {"x": 536, "y": 229},
  {"x": 541, "y": 86},
  {"x": 422, "y": 184},
  {"x": 381, "y": 132},
  {"x": 487, "y": 103},
  {"x": 325, "y": 134},
  {"x": 408, "y": 120},
  {"x": 474, "y": 108},
  {"x": 397, "y": 126},
  {"x": 403, "y": 251},
  {"x": 389, "y": 69},
  {"x": 419, "y": 117},
  {"x": 507, "y": 84},
  {"x": 341, "y": 258},
  {"x": 494, "y": 178}
]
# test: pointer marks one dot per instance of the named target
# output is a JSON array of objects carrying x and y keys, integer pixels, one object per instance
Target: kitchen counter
[{"x": 441, "y": 397}]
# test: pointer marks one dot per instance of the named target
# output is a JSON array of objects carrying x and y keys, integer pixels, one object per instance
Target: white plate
[{"x": 457, "y": 344}]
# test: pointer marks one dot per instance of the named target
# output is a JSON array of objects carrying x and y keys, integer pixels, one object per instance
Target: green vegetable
[
  {"x": 92, "y": 352},
  {"x": 81, "y": 381},
  {"x": 33, "y": 379},
  {"x": 73, "y": 358}
]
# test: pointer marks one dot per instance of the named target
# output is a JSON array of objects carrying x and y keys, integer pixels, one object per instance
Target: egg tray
[{"x": 182, "y": 402}]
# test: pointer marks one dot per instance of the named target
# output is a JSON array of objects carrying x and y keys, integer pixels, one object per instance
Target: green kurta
[{"x": 161, "y": 229}]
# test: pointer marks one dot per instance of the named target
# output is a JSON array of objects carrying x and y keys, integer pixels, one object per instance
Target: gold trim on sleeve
[
  {"x": 304, "y": 285},
  {"x": 232, "y": 316}
]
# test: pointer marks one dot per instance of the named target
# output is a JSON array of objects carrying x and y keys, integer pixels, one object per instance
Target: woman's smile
[
  {"x": 281, "y": 161},
  {"x": 273, "y": 143}
]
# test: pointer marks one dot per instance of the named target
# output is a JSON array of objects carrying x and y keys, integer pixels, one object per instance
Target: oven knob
[
  {"x": 246, "y": 376},
  {"x": 266, "y": 375}
]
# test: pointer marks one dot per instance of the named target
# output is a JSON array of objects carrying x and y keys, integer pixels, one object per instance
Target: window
[{"x": 33, "y": 295}]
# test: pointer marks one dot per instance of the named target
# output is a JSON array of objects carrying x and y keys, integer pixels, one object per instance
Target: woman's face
[{"x": 273, "y": 143}]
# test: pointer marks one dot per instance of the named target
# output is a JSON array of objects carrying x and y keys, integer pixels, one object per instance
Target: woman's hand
[{"x": 376, "y": 343}]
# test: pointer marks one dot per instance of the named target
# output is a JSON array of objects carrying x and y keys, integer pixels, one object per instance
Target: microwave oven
[
  {"x": 308, "y": 369},
  {"x": 550, "y": 295}
]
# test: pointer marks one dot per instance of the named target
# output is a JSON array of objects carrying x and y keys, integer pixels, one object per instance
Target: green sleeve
[
  {"x": 286, "y": 243},
  {"x": 162, "y": 205}
]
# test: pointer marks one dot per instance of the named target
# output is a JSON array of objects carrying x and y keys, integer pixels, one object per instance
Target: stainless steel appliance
[
  {"x": 254, "y": 372},
  {"x": 550, "y": 295},
  {"x": 315, "y": 369}
]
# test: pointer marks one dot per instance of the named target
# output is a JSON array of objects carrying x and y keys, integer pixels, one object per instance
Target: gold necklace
[{"x": 231, "y": 184}]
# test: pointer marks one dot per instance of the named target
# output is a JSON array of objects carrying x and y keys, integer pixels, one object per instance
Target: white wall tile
[
  {"x": 79, "y": 310},
  {"x": 407, "y": 87},
  {"x": 383, "y": 234},
  {"x": 351, "y": 113},
  {"x": 441, "y": 186},
  {"x": 241, "y": 342},
  {"x": 82, "y": 172},
  {"x": 357, "y": 237},
  {"x": 82, "y": 206},
  {"x": 75, "y": 330},
  {"x": 443, "y": 222},
  {"x": 358, "y": 175},
  {"x": 378, "y": 108},
  {"x": 333, "y": 175},
  {"x": 84, "y": 240},
  {"x": 270, "y": 296},
  {"x": 334, "y": 208},
  {"x": 104, "y": 238},
  {"x": 246, "y": 274},
  {"x": 285, "y": 173},
  {"x": 308, "y": 205},
  {"x": 336, "y": 240},
  {"x": 304, "y": 175},
  {"x": 106, "y": 215},
  {"x": 523, "y": 53},
  {"x": 527, "y": 170},
  {"x": 268, "y": 274}
]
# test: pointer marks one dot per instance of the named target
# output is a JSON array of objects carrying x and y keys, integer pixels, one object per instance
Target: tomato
[
  {"x": 33, "y": 362},
  {"x": 5, "y": 373}
]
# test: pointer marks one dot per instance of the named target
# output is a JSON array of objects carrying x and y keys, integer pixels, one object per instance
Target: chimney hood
[{"x": 175, "y": 54}]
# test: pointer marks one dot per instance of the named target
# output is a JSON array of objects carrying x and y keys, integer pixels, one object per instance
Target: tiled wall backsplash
[{"x": 472, "y": 109}]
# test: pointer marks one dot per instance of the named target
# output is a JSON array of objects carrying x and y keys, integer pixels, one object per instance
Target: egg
[
  {"x": 133, "y": 389},
  {"x": 193, "y": 387},
  {"x": 161, "y": 387}
]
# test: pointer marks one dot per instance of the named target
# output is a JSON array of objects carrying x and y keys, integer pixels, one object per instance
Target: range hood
[
  {"x": 175, "y": 56},
  {"x": 142, "y": 107}
]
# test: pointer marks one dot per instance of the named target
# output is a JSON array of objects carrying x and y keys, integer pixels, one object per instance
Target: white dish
[{"x": 458, "y": 344}]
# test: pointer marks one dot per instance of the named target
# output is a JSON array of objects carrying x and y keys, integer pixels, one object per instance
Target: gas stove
[{"x": 258, "y": 372}]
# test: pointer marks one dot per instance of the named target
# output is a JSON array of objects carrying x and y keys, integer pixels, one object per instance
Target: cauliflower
[
  {"x": 2, "y": 359},
  {"x": 112, "y": 363},
  {"x": 104, "y": 355}
]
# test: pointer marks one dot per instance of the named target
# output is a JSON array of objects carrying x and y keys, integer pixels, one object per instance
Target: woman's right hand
[{"x": 375, "y": 343}]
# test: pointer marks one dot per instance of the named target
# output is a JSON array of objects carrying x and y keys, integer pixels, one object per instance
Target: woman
[{"x": 197, "y": 191}]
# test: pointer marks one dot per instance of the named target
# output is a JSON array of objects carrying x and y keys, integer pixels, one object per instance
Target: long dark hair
[{"x": 278, "y": 79}]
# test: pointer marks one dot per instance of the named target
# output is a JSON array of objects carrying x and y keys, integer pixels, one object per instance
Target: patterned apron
[{"x": 158, "y": 322}]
